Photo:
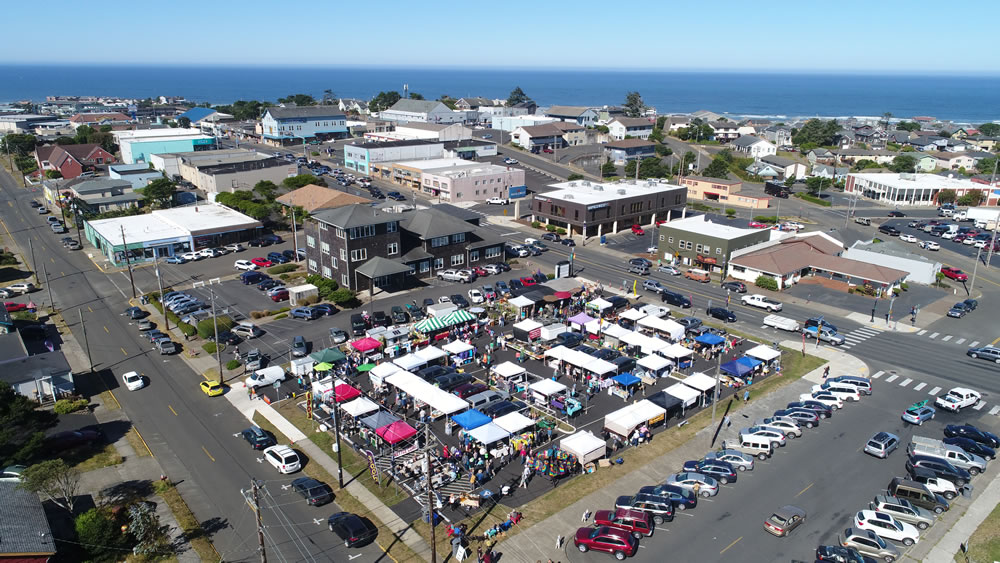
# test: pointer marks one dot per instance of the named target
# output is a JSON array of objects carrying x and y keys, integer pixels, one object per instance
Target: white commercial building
[
  {"x": 423, "y": 111},
  {"x": 360, "y": 157},
  {"x": 138, "y": 145},
  {"x": 908, "y": 189},
  {"x": 455, "y": 180},
  {"x": 170, "y": 162},
  {"x": 427, "y": 131},
  {"x": 512, "y": 122},
  {"x": 891, "y": 254}
]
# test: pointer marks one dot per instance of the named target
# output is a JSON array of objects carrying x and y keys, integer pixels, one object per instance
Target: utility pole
[
  {"x": 159, "y": 285},
  {"x": 128, "y": 262},
  {"x": 48, "y": 286},
  {"x": 975, "y": 267},
  {"x": 31, "y": 251},
  {"x": 295, "y": 237},
  {"x": 430, "y": 491},
  {"x": 336, "y": 442},
  {"x": 86, "y": 342},
  {"x": 218, "y": 348},
  {"x": 260, "y": 525},
  {"x": 996, "y": 222},
  {"x": 718, "y": 382}
]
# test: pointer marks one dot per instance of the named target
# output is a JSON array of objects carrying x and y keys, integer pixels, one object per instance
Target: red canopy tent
[
  {"x": 345, "y": 392},
  {"x": 563, "y": 295},
  {"x": 366, "y": 344},
  {"x": 396, "y": 432}
]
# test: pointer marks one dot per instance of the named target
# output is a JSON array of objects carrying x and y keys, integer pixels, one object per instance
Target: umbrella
[
  {"x": 322, "y": 367},
  {"x": 366, "y": 367}
]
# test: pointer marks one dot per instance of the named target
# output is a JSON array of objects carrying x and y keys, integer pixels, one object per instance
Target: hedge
[
  {"x": 206, "y": 329},
  {"x": 187, "y": 329},
  {"x": 233, "y": 364},
  {"x": 66, "y": 406},
  {"x": 210, "y": 347},
  {"x": 282, "y": 268},
  {"x": 766, "y": 219},
  {"x": 281, "y": 316}
]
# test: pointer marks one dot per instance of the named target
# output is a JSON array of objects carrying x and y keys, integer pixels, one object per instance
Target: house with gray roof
[
  {"x": 753, "y": 146},
  {"x": 635, "y": 127},
  {"x": 25, "y": 534},
  {"x": 777, "y": 134},
  {"x": 433, "y": 240},
  {"x": 579, "y": 114},
  {"x": 786, "y": 167},
  {"x": 96, "y": 195},
  {"x": 837, "y": 174},
  {"x": 298, "y": 124},
  {"x": 423, "y": 111},
  {"x": 342, "y": 239}
]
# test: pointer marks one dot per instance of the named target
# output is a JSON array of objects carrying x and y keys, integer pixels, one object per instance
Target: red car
[
  {"x": 954, "y": 273},
  {"x": 280, "y": 296},
  {"x": 609, "y": 540},
  {"x": 13, "y": 307},
  {"x": 635, "y": 522},
  {"x": 479, "y": 271},
  {"x": 660, "y": 222},
  {"x": 548, "y": 151},
  {"x": 261, "y": 262},
  {"x": 757, "y": 225},
  {"x": 637, "y": 230},
  {"x": 528, "y": 281}
]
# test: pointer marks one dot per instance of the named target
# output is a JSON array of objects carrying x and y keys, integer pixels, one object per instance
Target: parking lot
[
  {"x": 825, "y": 472},
  {"x": 963, "y": 249}
]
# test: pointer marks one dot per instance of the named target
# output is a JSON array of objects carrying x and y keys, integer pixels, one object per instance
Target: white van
[
  {"x": 266, "y": 376},
  {"x": 530, "y": 241},
  {"x": 761, "y": 448}
]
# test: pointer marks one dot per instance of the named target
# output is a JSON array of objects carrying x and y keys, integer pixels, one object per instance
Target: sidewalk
[
  {"x": 949, "y": 543},
  {"x": 541, "y": 540}
]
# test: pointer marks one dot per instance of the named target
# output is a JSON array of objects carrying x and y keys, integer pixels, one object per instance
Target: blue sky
[{"x": 776, "y": 36}]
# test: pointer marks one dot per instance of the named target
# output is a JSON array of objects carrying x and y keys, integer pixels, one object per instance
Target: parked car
[
  {"x": 681, "y": 497},
  {"x": 940, "y": 467},
  {"x": 723, "y": 314},
  {"x": 352, "y": 529},
  {"x": 738, "y": 460},
  {"x": 971, "y": 432},
  {"x": 902, "y": 510},
  {"x": 869, "y": 543},
  {"x": 315, "y": 492},
  {"x": 918, "y": 413},
  {"x": 605, "y": 539},
  {"x": 721, "y": 471},
  {"x": 882, "y": 444},
  {"x": 660, "y": 509},
  {"x": 307, "y": 313},
  {"x": 299, "y": 346},
  {"x": 283, "y": 458},
  {"x": 886, "y": 527},
  {"x": 261, "y": 262},
  {"x": 782, "y": 521},
  {"x": 70, "y": 439},
  {"x": 695, "y": 482},
  {"x": 735, "y": 286},
  {"x": 639, "y": 524},
  {"x": 954, "y": 273}
]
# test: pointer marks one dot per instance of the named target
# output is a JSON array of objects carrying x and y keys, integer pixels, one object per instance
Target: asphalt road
[
  {"x": 825, "y": 472},
  {"x": 191, "y": 434}
]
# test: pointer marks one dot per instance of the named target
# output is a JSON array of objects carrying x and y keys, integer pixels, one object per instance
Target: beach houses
[
  {"x": 753, "y": 147},
  {"x": 635, "y": 127}
]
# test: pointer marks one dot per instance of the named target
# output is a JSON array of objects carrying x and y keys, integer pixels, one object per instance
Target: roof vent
[
  {"x": 585, "y": 182},
  {"x": 568, "y": 196},
  {"x": 572, "y": 184},
  {"x": 598, "y": 188},
  {"x": 621, "y": 192},
  {"x": 631, "y": 182}
]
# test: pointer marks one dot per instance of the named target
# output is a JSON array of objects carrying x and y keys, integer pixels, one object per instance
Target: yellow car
[{"x": 212, "y": 387}]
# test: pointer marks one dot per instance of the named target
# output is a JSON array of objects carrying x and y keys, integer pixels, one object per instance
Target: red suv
[
  {"x": 637, "y": 230},
  {"x": 954, "y": 273},
  {"x": 609, "y": 540},
  {"x": 280, "y": 296},
  {"x": 528, "y": 281},
  {"x": 635, "y": 522}
]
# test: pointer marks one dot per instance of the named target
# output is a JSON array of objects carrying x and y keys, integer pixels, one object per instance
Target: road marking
[
  {"x": 920, "y": 386},
  {"x": 995, "y": 410},
  {"x": 731, "y": 545},
  {"x": 934, "y": 391},
  {"x": 866, "y": 330},
  {"x": 106, "y": 330},
  {"x": 935, "y": 335},
  {"x": 172, "y": 410},
  {"x": 664, "y": 529},
  {"x": 959, "y": 341},
  {"x": 847, "y": 346},
  {"x": 994, "y": 343},
  {"x": 978, "y": 406},
  {"x": 877, "y": 374},
  {"x": 123, "y": 351},
  {"x": 208, "y": 454},
  {"x": 89, "y": 309},
  {"x": 892, "y": 378},
  {"x": 906, "y": 382},
  {"x": 805, "y": 489},
  {"x": 974, "y": 344},
  {"x": 922, "y": 332},
  {"x": 946, "y": 338}
]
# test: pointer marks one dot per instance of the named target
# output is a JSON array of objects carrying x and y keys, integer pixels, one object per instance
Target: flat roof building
[
  {"x": 454, "y": 179},
  {"x": 138, "y": 145},
  {"x": 908, "y": 189},
  {"x": 596, "y": 208},
  {"x": 697, "y": 241},
  {"x": 364, "y": 157}
]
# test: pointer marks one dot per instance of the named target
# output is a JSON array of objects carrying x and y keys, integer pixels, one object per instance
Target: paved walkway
[{"x": 948, "y": 544}]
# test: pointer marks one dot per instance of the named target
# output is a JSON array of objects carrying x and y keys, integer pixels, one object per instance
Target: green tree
[
  {"x": 661, "y": 122},
  {"x": 866, "y": 163},
  {"x": 990, "y": 129},
  {"x": 944, "y": 133},
  {"x": 184, "y": 122},
  {"x": 517, "y": 96},
  {"x": 21, "y": 426},
  {"x": 656, "y": 136},
  {"x": 946, "y": 196},
  {"x": 100, "y": 534},
  {"x": 61, "y": 141},
  {"x": 298, "y": 99},
  {"x": 53, "y": 174},
  {"x": 244, "y": 110},
  {"x": 634, "y": 105},
  {"x": 910, "y": 126},
  {"x": 815, "y": 184},
  {"x": 789, "y": 181},
  {"x": 342, "y": 295},
  {"x": 574, "y": 176},
  {"x": 384, "y": 100},
  {"x": 416, "y": 96},
  {"x": 144, "y": 526},
  {"x": 20, "y": 144},
  {"x": 663, "y": 150},
  {"x": 296, "y": 182},
  {"x": 447, "y": 100},
  {"x": 328, "y": 97},
  {"x": 972, "y": 198},
  {"x": 608, "y": 169},
  {"x": 55, "y": 480},
  {"x": 603, "y": 129},
  {"x": 159, "y": 193},
  {"x": 648, "y": 168},
  {"x": 83, "y": 134},
  {"x": 986, "y": 165},
  {"x": 903, "y": 163},
  {"x": 817, "y": 131},
  {"x": 266, "y": 189},
  {"x": 718, "y": 168}
]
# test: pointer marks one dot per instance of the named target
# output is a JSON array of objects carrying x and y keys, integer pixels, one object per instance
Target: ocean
[{"x": 970, "y": 99}]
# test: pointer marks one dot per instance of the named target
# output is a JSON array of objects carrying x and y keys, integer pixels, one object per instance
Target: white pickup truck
[
  {"x": 762, "y": 302},
  {"x": 497, "y": 201},
  {"x": 957, "y": 399},
  {"x": 783, "y": 323}
]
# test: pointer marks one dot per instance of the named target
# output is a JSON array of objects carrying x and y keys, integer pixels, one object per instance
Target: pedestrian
[
  {"x": 524, "y": 477},
  {"x": 887, "y": 318},
  {"x": 746, "y": 396},
  {"x": 727, "y": 421},
  {"x": 826, "y": 372}
]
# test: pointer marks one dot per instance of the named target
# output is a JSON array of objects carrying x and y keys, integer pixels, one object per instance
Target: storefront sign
[
  {"x": 517, "y": 192},
  {"x": 706, "y": 260},
  {"x": 598, "y": 206}
]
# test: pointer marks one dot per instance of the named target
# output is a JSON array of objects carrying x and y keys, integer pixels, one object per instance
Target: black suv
[
  {"x": 258, "y": 438},
  {"x": 618, "y": 302},
  {"x": 358, "y": 324},
  {"x": 380, "y": 319},
  {"x": 940, "y": 467},
  {"x": 315, "y": 492},
  {"x": 675, "y": 299},
  {"x": 816, "y": 321},
  {"x": 738, "y": 287},
  {"x": 660, "y": 508},
  {"x": 889, "y": 230}
]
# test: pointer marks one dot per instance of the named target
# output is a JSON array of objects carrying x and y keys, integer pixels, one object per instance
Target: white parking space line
[
  {"x": 892, "y": 378},
  {"x": 934, "y": 391},
  {"x": 974, "y": 344},
  {"x": 978, "y": 406},
  {"x": 877, "y": 374},
  {"x": 995, "y": 410},
  {"x": 905, "y": 382},
  {"x": 946, "y": 338},
  {"x": 921, "y": 333},
  {"x": 920, "y": 386},
  {"x": 935, "y": 335},
  {"x": 959, "y": 341}
]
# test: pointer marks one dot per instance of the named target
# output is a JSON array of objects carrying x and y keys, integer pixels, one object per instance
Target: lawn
[
  {"x": 193, "y": 531},
  {"x": 984, "y": 545},
  {"x": 88, "y": 459}
]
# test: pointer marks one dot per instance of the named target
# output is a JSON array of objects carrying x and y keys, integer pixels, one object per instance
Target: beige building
[
  {"x": 454, "y": 179},
  {"x": 722, "y": 191},
  {"x": 237, "y": 173}
]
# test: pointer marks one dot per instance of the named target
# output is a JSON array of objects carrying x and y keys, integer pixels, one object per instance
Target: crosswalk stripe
[
  {"x": 935, "y": 335},
  {"x": 853, "y": 339},
  {"x": 847, "y": 346},
  {"x": 959, "y": 341},
  {"x": 922, "y": 332},
  {"x": 877, "y": 374},
  {"x": 974, "y": 344},
  {"x": 946, "y": 338},
  {"x": 868, "y": 331},
  {"x": 892, "y": 378},
  {"x": 995, "y": 410},
  {"x": 906, "y": 382},
  {"x": 920, "y": 386},
  {"x": 978, "y": 406},
  {"x": 934, "y": 391}
]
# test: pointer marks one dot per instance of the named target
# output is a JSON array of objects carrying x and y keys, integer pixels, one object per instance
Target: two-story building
[
  {"x": 94, "y": 195},
  {"x": 366, "y": 157},
  {"x": 457, "y": 180},
  {"x": 620, "y": 152},
  {"x": 434, "y": 241},
  {"x": 595, "y": 208},
  {"x": 72, "y": 160},
  {"x": 295, "y": 125},
  {"x": 634, "y": 127},
  {"x": 572, "y": 133},
  {"x": 724, "y": 131},
  {"x": 699, "y": 242},
  {"x": 753, "y": 146},
  {"x": 577, "y": 114},
  {"x": 778, "y": 134},
  {"x": 538, "y": 137},
  {"x": 422, "y": 111},
  {"x": 341, "y": 240},
  {"x": 721, "y": 190}
]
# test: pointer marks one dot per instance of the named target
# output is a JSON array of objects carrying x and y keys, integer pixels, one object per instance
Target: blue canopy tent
[
  {"x": 625, "y": 379},
  {"x": 735, "y": 368},
  {"x": 471, "y": 419},
  {"x": 749, "y": 362},
  {"x": 709, "y": 339}
]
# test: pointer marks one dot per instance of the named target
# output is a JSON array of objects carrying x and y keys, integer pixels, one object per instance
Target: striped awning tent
[
  {"x": 431, "y": 324},
  {"x": 458, "y": 317}
]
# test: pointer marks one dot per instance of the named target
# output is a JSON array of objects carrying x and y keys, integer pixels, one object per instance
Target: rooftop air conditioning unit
[
  {"x": 586, "y": 182},
  {"x": 631, "y": 182},
  {"x": 598, "y": 188},
  {"x": 621, "y": 192},
  {"x": 572, "y": 184},
  {"x": 568, "y": 196}
]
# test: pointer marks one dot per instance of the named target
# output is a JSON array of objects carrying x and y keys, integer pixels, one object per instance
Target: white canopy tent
[
  {"x": 521, "y": 301},
  {"x": 546, "y": 388},
  {"x": 358, "y": 407},
  {"x": 378, "y": 373},
  {"x": 615, "y": 331},
  {"x": 655, "y": 310},
  {"x": 676, "y": 351},
  {"x": 674, "y": 329},
  {"x": 584, "y": 445},
  {"x": 687, "y": 395},
  {"x": 653, "y": 344},
  {"x": 559, "y": 352},
  {"x": 409, "y": 362},
  {"x": 632, "y": 315},
  {"x": 624, "y": 420},
  {"x": 764, "y": 353},
  {"x": 599, "y": 304},
  {"x": 634, "y": 338},
  {"x": 438, "y": 399},
  {"x": 488, "y": 433},
  {"x": 593, "y": 327},
  {"x": 514, "y": 422},
  {"x": 599, "y": 366},
  {"x": 457, "y": 347},
  {"x": 430, "y": 353},
  {"x": 699, "y": 381},
  {"x": 508, "y": 370},
  {"x": 654, "y": 363}
]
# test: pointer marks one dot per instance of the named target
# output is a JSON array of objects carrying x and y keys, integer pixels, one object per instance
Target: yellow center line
[
  {"x": 89, "y": 309},
  {"x": 805, "y": 489},
  {"x": 53, "y": 260},
  {"x": 106, "y": 330},
  {"x": 172, "y": 410},
  {"x": 731, "y": 545},
  {"x": 123, "y": 351},
  {"x": 995, "y": 341},
  {"x": 208, "y": 454}
]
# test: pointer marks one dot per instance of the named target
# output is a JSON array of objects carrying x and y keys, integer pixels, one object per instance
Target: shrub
[
  {"x": 730, "y": 212},
  {"x": 258, "y": 314},
  {"x": 206, "y": 329},
  {"x": 904, "y": 286},
  {"x": 284, "y": 277},
  {"x": 233, "y": 364},
  {"x": 281, "y": 316},
  {"x": 210, "y": 347},
  {"x": 560, "y": 231},
  {"x": 311, "y": 300},
  {"x": 66, "y": 406},
  {"x": 550, "y": 228},
  {"x": 766, "y": 282},
  {"x": 766, "y": 219},
  {"x": 325, "y": 286},
  {"x": 342, "y": 296},
  {"x": 24, "y": 316},
  {"x": 282, "y": 268},
  {"x": 574, "y": 176},
  {"x": 187, "y": 330},
  {"x": 536, "y": 224},
  {"x": 156, "y": 305}
]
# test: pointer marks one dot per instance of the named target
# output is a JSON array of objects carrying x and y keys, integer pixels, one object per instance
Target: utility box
[
  {"x": 300, "y": 292},
  {"x": 564, "y": 269}
]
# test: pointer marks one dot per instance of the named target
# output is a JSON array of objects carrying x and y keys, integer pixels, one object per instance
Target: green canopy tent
[
  {"x": 323, "y": 366},
  {"x": 328, "y": 355}
]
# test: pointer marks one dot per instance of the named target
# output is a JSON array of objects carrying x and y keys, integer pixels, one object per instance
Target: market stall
[
  {"x": 600, "y": 305},
  {"x": 523, "y": 305},
  {"x": 764, "y": 353},
  {"x": 440, "y": 401},
  {"x": 687, "y": 395},
  {"x": 584, "y": 446},
  {"x": 369, "y": 348},
  {"x": 625, "y": 385},
  {"x": 701, "y": 383},
  {"x": 668, "y": 402},
  {"x": 488, "y": 433},
  {"x": 545, "y": 389},
  {"x": 613, "y": 333},
  {"x": 378, "y": 373},
  {"x": 580, "y": 320},
  {"x": 527, "y": 330},
  {"x": 668, "y": 327},
  {"x": 654, "y": 365},
  {"x": 471, "y": 419},
  {"x": 371, "y": 423},
  {"x": 709, "y": 339},
  {"x": 735, "y": 369},
  {"x": 678, "y": 353},
  {"x": 359, "y": 407},
  {"x": 550, "y": 331},
  {"x": 632, "y": 315},
  {"x": 460, "y": 352},
  {"x": 514, "y": 422},
  {"x": 410, "y": 362},
  {"x": 655, "y": 310},
  {"x": 432, "y": 355},
  {"x": 511, "y": 373},
  {"x": 397, "y": 340},
  {"x": 396, "y": 432}
]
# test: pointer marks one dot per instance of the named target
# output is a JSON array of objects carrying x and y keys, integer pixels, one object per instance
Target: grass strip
[{"x": 193, "y": 532}]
